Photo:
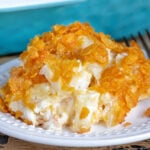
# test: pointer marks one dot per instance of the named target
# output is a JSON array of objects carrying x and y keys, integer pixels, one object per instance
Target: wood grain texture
[{"x": 15, "y": 144}]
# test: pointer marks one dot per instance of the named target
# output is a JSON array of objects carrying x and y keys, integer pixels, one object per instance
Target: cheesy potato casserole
[{"x": 74, "y": 77}]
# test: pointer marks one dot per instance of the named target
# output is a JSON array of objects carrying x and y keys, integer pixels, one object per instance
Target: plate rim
[{"x": 66, "y": 142}]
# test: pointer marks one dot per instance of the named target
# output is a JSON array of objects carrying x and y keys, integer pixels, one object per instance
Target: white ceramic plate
[
  {"x": 99, "y": 136},
  {"x": 13, "y": 5}
]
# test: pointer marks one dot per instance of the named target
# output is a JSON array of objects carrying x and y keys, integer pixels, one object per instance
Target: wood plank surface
[{"x": 15, "y": 144}]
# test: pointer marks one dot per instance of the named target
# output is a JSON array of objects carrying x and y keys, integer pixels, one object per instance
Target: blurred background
[{"x": 118, "y": 18}]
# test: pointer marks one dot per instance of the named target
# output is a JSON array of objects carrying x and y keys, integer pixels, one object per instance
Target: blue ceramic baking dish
[{"x": 115, "y": 17}]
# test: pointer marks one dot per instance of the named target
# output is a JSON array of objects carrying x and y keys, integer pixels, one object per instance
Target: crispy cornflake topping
[
  {"x": 75, "y": 58},
  {"x": 126, "y": 124},
  {"x": 147, "y": 112}
]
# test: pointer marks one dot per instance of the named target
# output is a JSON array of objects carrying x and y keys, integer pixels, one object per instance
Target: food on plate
[
  {"x": 147, "y": 112},
  {"x": 74, "y": 77},
  {"x": 126, "y": 124}
]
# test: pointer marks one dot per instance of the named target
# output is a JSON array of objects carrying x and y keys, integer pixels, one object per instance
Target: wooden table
[{"x": 10, "y": 143}]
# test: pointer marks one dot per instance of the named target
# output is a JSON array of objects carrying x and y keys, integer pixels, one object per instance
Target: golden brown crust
[
  {"x": 3, "y": 107},
  {"x": 60, "y": 49},
  {"x": 147, "y": 112},
  {"x": 126, "y": 124}
]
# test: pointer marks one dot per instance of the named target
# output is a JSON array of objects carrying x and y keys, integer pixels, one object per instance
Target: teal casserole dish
[{"x": 117, "y": 18}]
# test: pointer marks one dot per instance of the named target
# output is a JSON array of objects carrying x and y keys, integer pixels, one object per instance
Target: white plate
[
  {"x": 13, "y": 5},
  {"x": 99, "y": 136}
]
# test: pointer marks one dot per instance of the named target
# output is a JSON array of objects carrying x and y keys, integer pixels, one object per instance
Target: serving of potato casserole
[{"x": 74, "y": 77}]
